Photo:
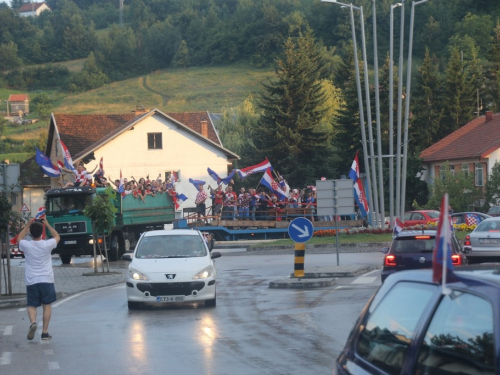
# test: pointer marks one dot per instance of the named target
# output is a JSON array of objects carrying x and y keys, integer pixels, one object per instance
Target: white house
[
  {"x": 32, "y": 9},
  {"x": 143, "y": 143}
]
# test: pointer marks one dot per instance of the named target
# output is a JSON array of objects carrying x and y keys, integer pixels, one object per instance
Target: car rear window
[
  {"x": 413, "y": 244},
  {"x": 488, "y": 226},
  {"x": 389, "y": 330},
  {"x": 433, "y": 214},
  {"x": 460, "y": 338},
  {"x": 171, "y": 246}
]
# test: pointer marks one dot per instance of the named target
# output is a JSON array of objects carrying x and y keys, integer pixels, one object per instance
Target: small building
[
  {"x": 19, "y": 103},
  {"x": 33, "y": 9}
]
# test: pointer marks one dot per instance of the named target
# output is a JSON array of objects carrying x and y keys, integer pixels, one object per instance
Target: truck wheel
[
  {"x": 114, "y": 249},
  {"x": 65, "y": 259}
]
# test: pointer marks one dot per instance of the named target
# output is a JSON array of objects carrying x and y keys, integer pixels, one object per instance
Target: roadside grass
[
  {"x": 19, "y": 157},
  {"x": 346, "y": 239},
  {"x": 25, "y": 132}
]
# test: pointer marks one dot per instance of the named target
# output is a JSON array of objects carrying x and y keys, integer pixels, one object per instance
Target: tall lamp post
[
  {"x": 360, "y": 102},
  {"x": 400, "y": 112},
  {"x": 391, "y": 116},
  {"x": 407, "y": 103}
]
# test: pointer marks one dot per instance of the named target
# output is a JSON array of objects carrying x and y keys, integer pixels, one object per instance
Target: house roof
[
  {"x": 18, "y": 97},
  {"x": 475, "y": 140},
  {"x": 29, "y": 7},
  {"x": 84, "y": 133}
]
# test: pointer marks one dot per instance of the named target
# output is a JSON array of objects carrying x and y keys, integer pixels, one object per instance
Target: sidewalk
[{"x": 68, "y": 280}]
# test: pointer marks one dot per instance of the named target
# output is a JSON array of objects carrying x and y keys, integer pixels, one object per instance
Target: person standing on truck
[
  {"x": 39, "y": 274},
  {"x": 201, "y": 197}
]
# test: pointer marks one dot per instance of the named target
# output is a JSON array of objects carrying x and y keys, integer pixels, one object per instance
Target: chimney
[
  {"x": 489, "y": 116},
  {"x": 204, "y": 128}
]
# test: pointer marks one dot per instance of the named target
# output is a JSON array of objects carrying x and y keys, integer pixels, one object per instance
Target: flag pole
[{"x": 446, "y": 242}]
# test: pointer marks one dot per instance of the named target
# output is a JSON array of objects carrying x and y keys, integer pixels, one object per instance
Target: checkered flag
[{"x": 471, "y": 219}]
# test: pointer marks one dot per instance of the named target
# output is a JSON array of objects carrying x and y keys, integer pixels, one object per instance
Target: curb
[
  {"x": 342, "y": 247},
  {"x": 302, "y": 283}
]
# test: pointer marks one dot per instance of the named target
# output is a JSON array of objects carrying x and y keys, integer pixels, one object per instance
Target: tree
[
  {"x": 43, "y": 107},
  {"x": 91, "y": 77},
  {"x": 182, "y": 56},
  {"x": 493, "y": 77},
  {"x": 16, "y": 4},
  {"x": 287, "y": 132},
  {"x": 8, "y": 56},
  {"x": 459, "y": 186},
  {"x": 493, "y": 186}
]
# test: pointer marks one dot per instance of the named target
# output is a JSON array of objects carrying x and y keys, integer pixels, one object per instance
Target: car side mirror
[
  {"x": 127, "y": 257},
  {"x": 215, "y": 254},
  {"x": 385, "y": 250}
]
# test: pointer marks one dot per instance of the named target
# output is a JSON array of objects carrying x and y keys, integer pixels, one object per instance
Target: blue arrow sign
[{"x": 300, "y": 230}]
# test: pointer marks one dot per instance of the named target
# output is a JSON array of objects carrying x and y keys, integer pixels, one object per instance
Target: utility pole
[{"x": 121, "y": 12}]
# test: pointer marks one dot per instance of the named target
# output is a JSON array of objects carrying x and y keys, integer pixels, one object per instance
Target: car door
[
  {"x": 408, "y": 222},
  {"x": 418, "y": 218}
]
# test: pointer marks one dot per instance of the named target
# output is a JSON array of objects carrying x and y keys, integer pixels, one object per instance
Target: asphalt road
[{"x": 253, "y": 329}]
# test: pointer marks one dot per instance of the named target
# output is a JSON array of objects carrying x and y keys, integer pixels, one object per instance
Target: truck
[{"x": 64, "y": 211}]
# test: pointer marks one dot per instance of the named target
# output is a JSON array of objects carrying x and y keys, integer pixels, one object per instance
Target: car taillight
[
  {"x": 456, "y": 259},
  {"x": 467, "y": 240},
  {"x": 390, "y": 261}
]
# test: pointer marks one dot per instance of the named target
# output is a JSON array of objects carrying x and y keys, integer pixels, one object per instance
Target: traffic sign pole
[{"x": 300, "y": 252}]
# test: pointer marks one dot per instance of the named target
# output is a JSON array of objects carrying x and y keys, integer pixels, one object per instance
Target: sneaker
[
  {"x": 46, "y": 336},
  {"x": 31, "y": 332}
]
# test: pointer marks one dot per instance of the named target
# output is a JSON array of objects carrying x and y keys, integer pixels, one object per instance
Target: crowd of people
[{"x": 226, "y": 203}]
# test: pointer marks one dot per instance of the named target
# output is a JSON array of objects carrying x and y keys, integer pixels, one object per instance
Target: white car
[{"x": 171, "y": 266}]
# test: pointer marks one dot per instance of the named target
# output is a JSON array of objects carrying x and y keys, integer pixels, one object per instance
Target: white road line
[
  {"x": 120, "y": 287},
  {"x": 5, "y": 358},
  {"x": 339, "y": 287},
  {"x": 54, "y": 366},
  {"x": 79, "y": 294},
  {"x": 364, "y": 280},
  {"x": 22, "y": 309},
  {"x": 369, "y": 273},
  {"x": 7, "y": 330},
  {"x": 48, "y": 352}
]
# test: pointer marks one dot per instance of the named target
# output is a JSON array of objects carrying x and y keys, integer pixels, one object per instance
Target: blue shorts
[{"x": 41, "y": 293}]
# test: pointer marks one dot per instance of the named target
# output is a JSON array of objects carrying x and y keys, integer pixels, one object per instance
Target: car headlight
[
  {"x": 136, "y": 275},
  {"x": 204, "y": 273}
]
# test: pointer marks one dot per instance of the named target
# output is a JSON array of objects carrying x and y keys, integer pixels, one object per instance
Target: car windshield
[
  {"x": 413, "y": 244},
  {"x": 171, "y": 246},
  {"x": 488, "y": 226},
  {"x": 433, "y": 214},
  {"x": 69, "y": 204}
]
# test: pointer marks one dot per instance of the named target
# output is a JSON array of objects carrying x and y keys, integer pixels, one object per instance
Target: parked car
[
  {"x": 14, "y": 249},
  {"x": 469, "y": 218},
  {"x": 494, "y": 211},
  {"x": 483, "y": 243},
  {"x": 412, "y": 249},
  {"x": 410, "y": 327},
  {"x": 420, "y": 217},
  {"x": 171, "y": 266}
]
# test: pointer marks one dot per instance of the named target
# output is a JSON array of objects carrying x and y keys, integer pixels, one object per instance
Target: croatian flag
[
  {"x": 398, "y": 227},
  {"x": 68, "y": 161},
  {"x": 268, "y": 181},
  {"x": 179, "y": 199},
  {"x": 197, "y": 183},
  {"x": 359, "y": 191},
  {"x": 220, "y": 180},
  {"x": 472, "y": 219},
  {"x": 261, "y": 167},
  {"x": 441, "y": 258},
  {"x": 46, "y": 165},
  {"x": 40, "y": 214}
]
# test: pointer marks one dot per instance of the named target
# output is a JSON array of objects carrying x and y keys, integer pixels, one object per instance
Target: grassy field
[
  {"x": 15, "y": 158},
  {"x": 347, "y": 239}
]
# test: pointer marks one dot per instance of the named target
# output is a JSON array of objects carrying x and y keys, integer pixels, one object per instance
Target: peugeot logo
[
  {"x": 421, "y": 259},
  {"x": 170, "y": 276}
]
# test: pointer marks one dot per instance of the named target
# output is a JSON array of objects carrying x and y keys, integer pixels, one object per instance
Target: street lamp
[
  {"x": 391, "y": 117},
  {"x": 400, "y": 111},
  {"x": 360, "y": 100},
  {"x": 407, "y": 103}
]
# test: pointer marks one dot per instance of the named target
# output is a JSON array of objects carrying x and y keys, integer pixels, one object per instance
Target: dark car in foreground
[
  {"x": 412, "y": 249},
  {"x": 410, "y": 327}
]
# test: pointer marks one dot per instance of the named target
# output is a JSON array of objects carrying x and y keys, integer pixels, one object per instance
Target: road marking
[
  {"x": 369, "y": 273},
  {"x": 48, "y": 352},
  {"x": 339, "y": 287},
  {"x": 22, "y": 309},
  {"x": 54, "y": 366},
  {"x": 5, "y": 358},
  {"x": 79, "y": 294},
  {"x": 120, "y": 287},
  {"x": 7, "y": 330},
  {"x": 364, "y": 280}
]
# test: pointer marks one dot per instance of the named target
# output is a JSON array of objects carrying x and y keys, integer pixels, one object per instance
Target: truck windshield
[{"x": 69, "y": 204}]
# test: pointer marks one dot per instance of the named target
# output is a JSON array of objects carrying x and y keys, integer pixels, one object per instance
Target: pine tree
[
  {"x": 427, "y": 106},
  {"x": 182, "y": 56},
  {"x": 287, "y": 133},
  {"x": 493, "y": 78}
]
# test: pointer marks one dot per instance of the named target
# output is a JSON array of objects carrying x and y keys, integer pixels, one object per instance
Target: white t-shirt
[{"x": 38, "y": 260}]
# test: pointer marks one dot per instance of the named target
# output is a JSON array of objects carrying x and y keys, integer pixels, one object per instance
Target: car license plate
[
  {"x": 70, "y": 242},
  {"x": 169, "y": 298},
  {"x": 488, "y": 240}
]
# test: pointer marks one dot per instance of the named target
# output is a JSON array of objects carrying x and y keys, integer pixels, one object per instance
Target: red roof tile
[
  {"x": 474, "y": 140},
  {"x": 29, "y": 7},
  {"x": 18, "y": 97}
]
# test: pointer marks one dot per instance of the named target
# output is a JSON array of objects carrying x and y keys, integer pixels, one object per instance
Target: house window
[
  {"x": 13, "y": 198},
  {"x": 479, "y": 174},
  {"x": 175, "y": 174},
  {"x": 465, "y": 168},
  {"x": 452, "y": 170},
  {"x": 154, "y": 141}
]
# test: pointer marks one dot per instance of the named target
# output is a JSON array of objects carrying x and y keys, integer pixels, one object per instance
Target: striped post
[{"x": 300, "y": 251}]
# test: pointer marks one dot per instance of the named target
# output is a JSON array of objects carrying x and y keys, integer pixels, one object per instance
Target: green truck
[{"x": 64, "y": 211}]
